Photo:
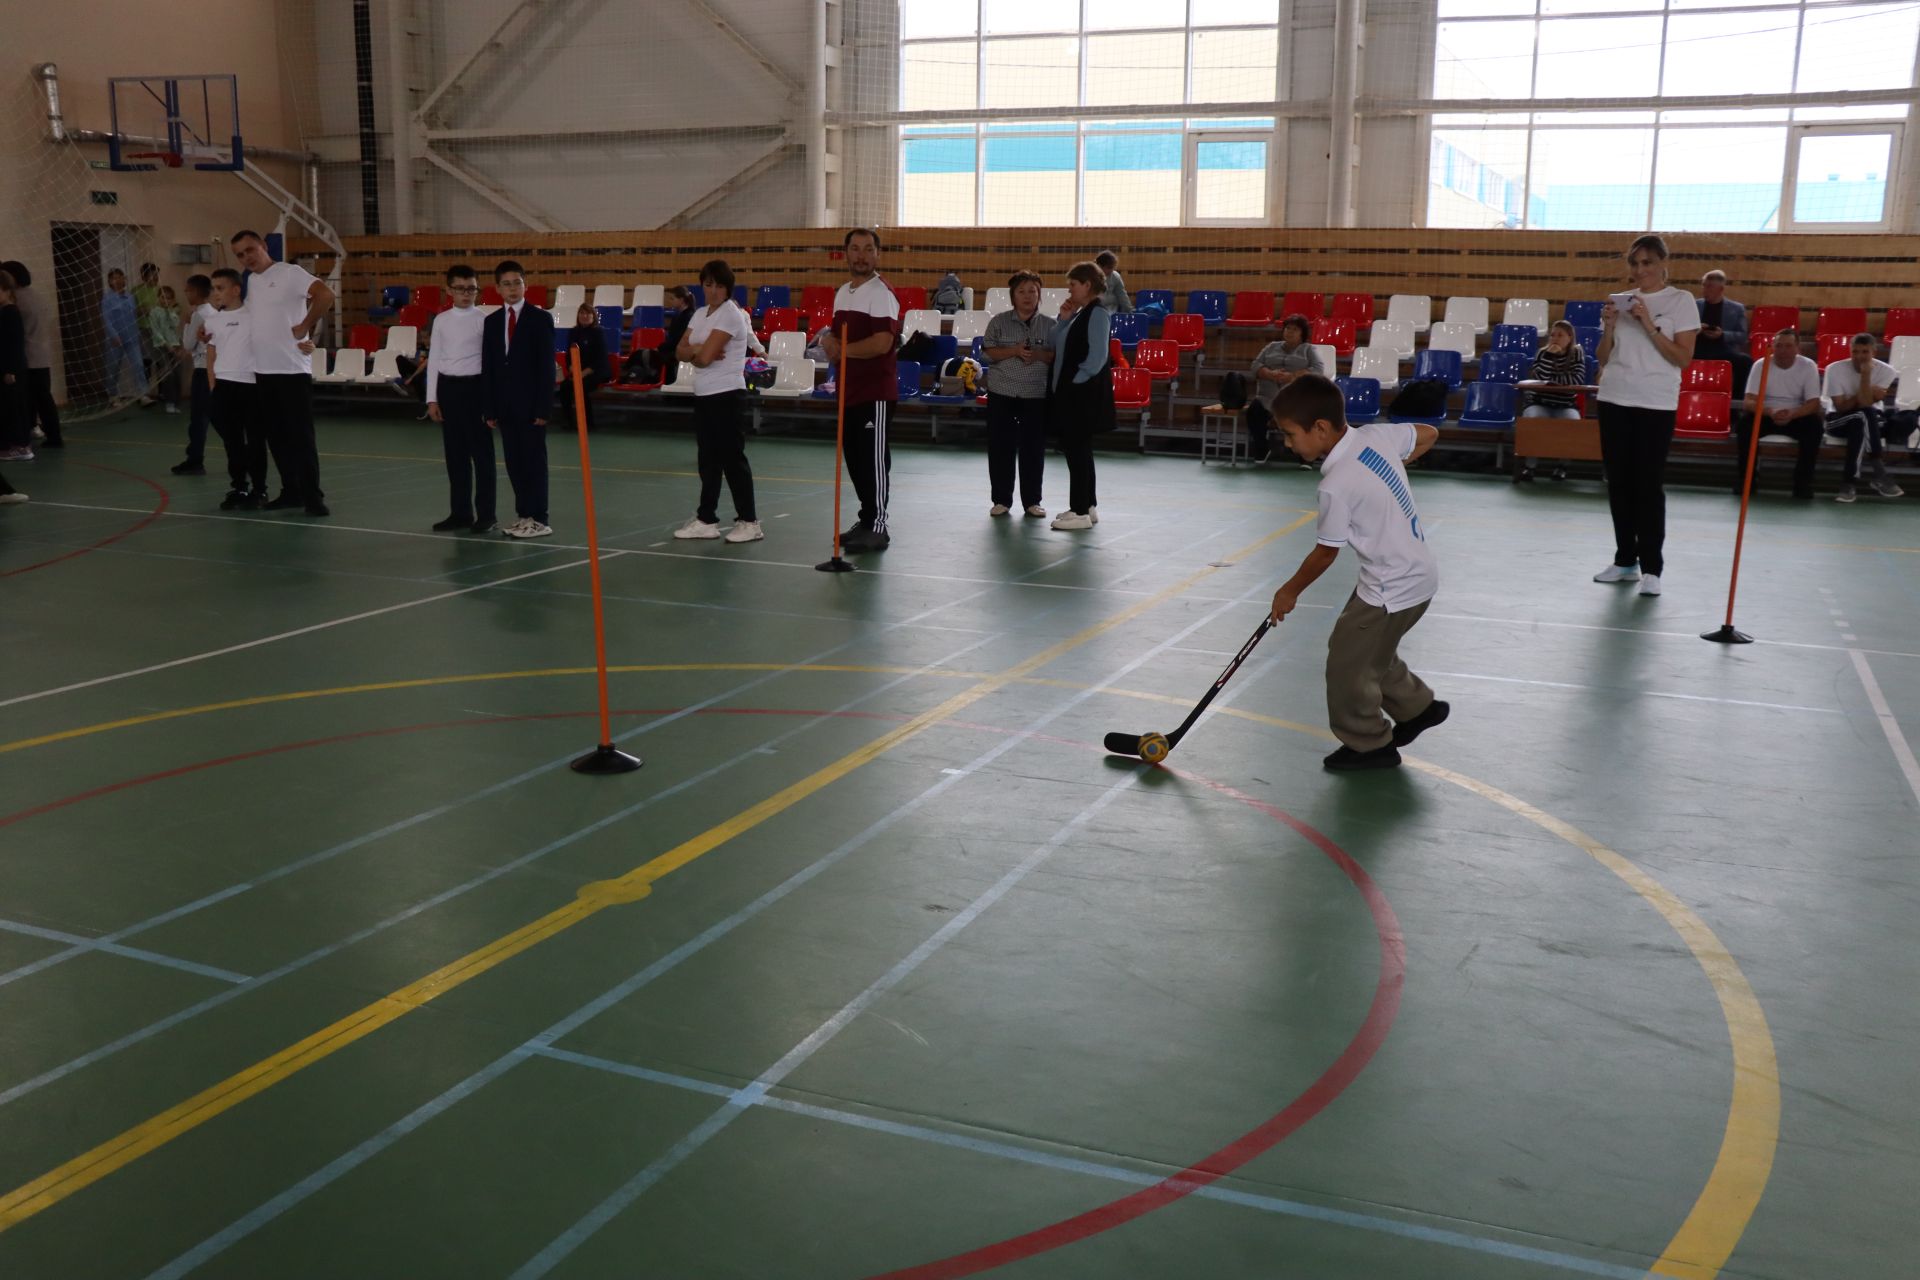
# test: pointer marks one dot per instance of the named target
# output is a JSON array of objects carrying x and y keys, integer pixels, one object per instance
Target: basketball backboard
[{"x": 174, "y": 121}]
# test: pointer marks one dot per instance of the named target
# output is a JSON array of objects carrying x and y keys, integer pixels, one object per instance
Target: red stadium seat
[
  {"x": 1158, "y": 357},
  {"x": 416, "y": 314},
  {"x": 537, "y": 296},
  {"x": 490, "y": 296},
  {"x": 1357, "y": 307},
  {"x": 430, "y": 297},
  {"x": 648, "y": 339},
  {"x": 1771, "y": 320},
  {"x": 912, "y": 297},
  {"x": 1310, "y": 305},
  {"x": 1760, "y": 345},
  {"x": 1844, "y": 320},
  {"x": 1707, "y": 375},
  {"x": 1116, "y": 354},
  {"x": 1704, "y": 415},
  {"x": 1902, "y": 322},
  {"x": 816, "y": 296},
  {"x": 1337, "y": 333},
  {"x": 1832, "y": 348},
  {"x": 1132, "y": 388},
  {"x": 1188, "y": 332},
  {"x": 1252, "y": 309},
  {"x": 783, "y": 320},
  {"x": 368, "y": 337}
]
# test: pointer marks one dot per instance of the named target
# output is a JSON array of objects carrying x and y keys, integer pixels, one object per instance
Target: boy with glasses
[{"x": 454, "y": 400}]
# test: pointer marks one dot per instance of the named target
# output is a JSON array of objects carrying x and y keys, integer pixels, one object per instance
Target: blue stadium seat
[
  {"x": 1130, "y": 329},
  {"x": 1521, "y": 338},
  {"x": 1363, "y": 399},
  {"x": 1593, "y": 370},
  {"x": 1504, "y": 366},
  {"x": 649, "y": 317},
  {"x": 1584, "y": 315},
  {"x": 1151, "y": 297},
  {"x": 772, "y": 295},
  {"x": 910, "y": 375},
  {"x": 392, "y": 298},
  {"x": 699, "y": 294},
  {"x": 1209, "y": 304},
  {"x": 740, "y": 296},
  {"x": 1588, "y": 336},
  {"x": 945, "y": 348},
  {"x": 1441, "y": 365},
  {"x": 1489, "y": 404},
  {"x": 611, "y": 319},
  {"x": 562, "y": 335}
]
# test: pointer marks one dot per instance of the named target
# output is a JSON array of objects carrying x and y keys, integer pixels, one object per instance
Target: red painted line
[
  {"x": 1256, "y": 1141},
  {"x": 110, "y": 539},
  {"x": 1209, "y": 1169}
]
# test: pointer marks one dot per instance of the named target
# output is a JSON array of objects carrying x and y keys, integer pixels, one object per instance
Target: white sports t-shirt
[
  {"x": 726, "y": 373},
  {"x": 230, "y": 334},
  {"x": 201, "y": 318},
  {"x": 1636, "y": 374},
  {"x": 1842, "y": 379},
  {"x": 277, "y": 298},
  {"x": 1787, "y": 388},
  {"x": 1367, "y": 504}
]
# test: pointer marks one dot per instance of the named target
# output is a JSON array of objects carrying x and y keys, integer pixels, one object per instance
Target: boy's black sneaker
[
  {"x": 483, "y": 526},
  {"x": 317, "y": 508},
  {"x": 869, "y": 540},
  {"x": 235, "y": 499},
  {"x": 1407, "y": 730},
  {"x": 284, "y": 502},
  {"x": 256, "y": 499},
  {"x": 1346, "y": 759},
  {"x": 189, "y": 468},
  {"x": 451, "y": 523}
]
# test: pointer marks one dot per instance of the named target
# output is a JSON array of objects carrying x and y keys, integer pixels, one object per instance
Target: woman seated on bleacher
[
  {"x": 1278, "y": 364},
  {"x": 586, "y": 338},
  {"x": 1561, "y": 361}
]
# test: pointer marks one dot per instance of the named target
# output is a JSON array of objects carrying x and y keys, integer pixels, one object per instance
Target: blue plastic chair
[
  {"x": 396, "y": 296},
  {"x": 1363, "y": 398},
  {"x": 1588, "y": 336},
  {"x": 910, "y": 374},
  {"x": 611, "y": 319},
  {"x": 1441, "y": 365},
  {"x": 1130, "y": 328},
  {"x": 649, "y": 317},
  {"x": 1584, "y": 315},
  {"x": 978, "y": 351},
  {"x": 1522, "y": 338},
  {"x": 772, "y": 295},
  {"x": 1489, "y": 404},
  {"x": 610, "y": 334},
  {"x": 1593, "y": 371},
  {"x": 740, "y": 296},
  {"x": 699, "y": 293},
  {"x": 562, "y": 335},
  {"x": 1503, "y": 366},
  {"x": 1150, "y": 297},
  {"x": 1209, "y": 304}
]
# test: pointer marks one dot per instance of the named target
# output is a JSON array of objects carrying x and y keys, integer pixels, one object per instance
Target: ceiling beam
[{"x": 532, "y": 218}]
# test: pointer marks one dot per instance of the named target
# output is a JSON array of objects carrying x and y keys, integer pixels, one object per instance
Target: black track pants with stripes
[{"x": 869, "y": 461}]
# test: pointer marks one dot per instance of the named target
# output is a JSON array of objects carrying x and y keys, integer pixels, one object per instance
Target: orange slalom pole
[
  {"x": 604, "y": 758},
  {"x": 837, "y": 564},
  {"x": 1727, "y": 633}
]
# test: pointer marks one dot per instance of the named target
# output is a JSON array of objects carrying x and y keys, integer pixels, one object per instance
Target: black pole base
[
  {"x": 1727, "y": 635},
  {"x": 835, "y": 565},
  {"x": 606, "y": 758}
]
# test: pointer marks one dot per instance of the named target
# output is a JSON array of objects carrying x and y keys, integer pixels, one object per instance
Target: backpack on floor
[
  {"x": 1233, "y": 391},
  {"x": 1422, "y": 398}
]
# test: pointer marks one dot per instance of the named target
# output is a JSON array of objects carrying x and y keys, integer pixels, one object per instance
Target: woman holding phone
[{"x": 1646, "y": 338}]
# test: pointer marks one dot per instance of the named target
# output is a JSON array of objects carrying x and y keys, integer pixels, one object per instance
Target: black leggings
[
  {"x": 1633, "y": 451},
  {"x": 1016, "y": 439},
  {"x": 719, "y": 428}
]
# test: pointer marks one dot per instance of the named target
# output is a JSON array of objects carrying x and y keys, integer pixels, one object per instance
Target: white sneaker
[
  {"x": 513, "y": 530},
  {"x": 1650, "y": 585},
  {"x": 8, "y": 499},
  {"x": 1618, "y": 573},
  {"x": 532, "y": 529},
  {"x": 1093, "y": 514},
  {"x": 16, "y": 455},
  {"x": 999, "y": 509},
  {"x": 1037, "y": 511},
  {"x": 746, "y": 531},
  {"x": 38, "y": 434},
  {"x": 1073, "y": 520},
  {"x": 697, "y": 528},
  {"x": 172, "y": 407},
  {"x": 1888, "y": 489}
]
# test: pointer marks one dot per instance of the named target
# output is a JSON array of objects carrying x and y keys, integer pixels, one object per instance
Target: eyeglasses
[{"x": 463, "y": 288}]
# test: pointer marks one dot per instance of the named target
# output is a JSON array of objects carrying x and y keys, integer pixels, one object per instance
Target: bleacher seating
[
  {"x": 968, "y": 325},
  {"x": 489, "y": 295},
  {"x": 1905, "y": 351},
  {"x": 945, "y": 348},
  {"x": 772, "y": 295},
  {"x": 1363, "y": 399},
  {"x": 1051, "y": 300},
  {"x": 1329, "y": 358},
  {"x": 1158, "y": 357},
  {"x": 911, "y": 376},
  {"x": 1252, "y": 309},
  {"x": 1707, "y": 375},
  {"x": 1162, "y": 298},
  {"x": 1336, "y": 332},
  {"x": 912, "y": 297},
  {"x": 1764, "y": 322},
  {"x": 612, "y": 319},
  {"x": 1531, "y": 311},
  {"x": 1902, "y": 322},
  {"x": 1588, "y": 336},
  {"x": 1704, "y": 415},
  {"x": 366, "y": 337},
  {"x": 1845, "y": 321},
  {"x": 323, "y": 365},
  {"x": 1468, "y": 311},
  {"x": 1357, "y": 307},
  {"x": 1831, "y": 348},
  {"x": 1489, "y": 404},
  {"x": 1130, "y": 327},
  {"x": 649, "y": 317},
  {"x": 392, "y": 298},
  {"x": 349, "y": 365},
  {"x": 1209, "y": 304},
  {"x": 1188, "y": 332},
  {"x": 416, "y": 315},
  {"x": 1584, "y": 315},
  {"x": 785, "y": 320},
  {"x": 999, "y": 300},
  {"x": 1414, "y": 308},
  {"x": 921, "y": 321},
  {"x": 1395, "y": 336},
  {"x": 1132, "y": 389},
  {"x": 786, "y": 345},
  {"x": 537, "y": 294},
  {"x": 815, "y": 295},
  {"x": 1379, "y": 363},
  {"x": 1310, "y": 305},
  {"x": 1521, "y": 338},
  {"x": 1455, "y": 337},
  {"x": 431, "y": 297},
  {"x": 791, "y": 379},
  {"x": 1437, "y": 363},
  {"x": 610, "y": 295},
  {"x": 1505, "y": 366},
  {"x": 649, "y": 295}
]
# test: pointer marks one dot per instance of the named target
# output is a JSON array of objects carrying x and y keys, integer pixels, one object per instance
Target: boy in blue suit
[{"x": 516, "y": 376}]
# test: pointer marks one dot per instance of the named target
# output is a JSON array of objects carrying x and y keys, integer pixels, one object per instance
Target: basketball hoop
[{"x": 169, "y": 158}]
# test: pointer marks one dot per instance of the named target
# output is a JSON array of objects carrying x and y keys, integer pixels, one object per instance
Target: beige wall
[{"x": 91, "y": 40}]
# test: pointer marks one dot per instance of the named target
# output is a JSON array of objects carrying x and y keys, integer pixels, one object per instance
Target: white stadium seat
[
  {"x": 610, "y": 295},
  {"x": 1394, "y": 336},
  {"x": 1414, "y": 308},
  {"x": 1468, "y": 311},
  {"x": 791, "y": 378},
  {"x": 1531, "y": 311},
  {"x": 1379, "y": 363},
  {"x": 1454, "y": 336}
]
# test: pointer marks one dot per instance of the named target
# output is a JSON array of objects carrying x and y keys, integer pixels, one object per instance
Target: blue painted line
[
  {"x": 1113, "y": 1173},
  {"x": 80, "y": 942}
]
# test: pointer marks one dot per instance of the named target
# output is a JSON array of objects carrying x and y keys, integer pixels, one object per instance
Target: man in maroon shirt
[{"x": 867, "y": 314}]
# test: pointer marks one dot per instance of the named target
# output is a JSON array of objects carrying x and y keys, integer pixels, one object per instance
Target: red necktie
[{"x": 510, "y": 317}]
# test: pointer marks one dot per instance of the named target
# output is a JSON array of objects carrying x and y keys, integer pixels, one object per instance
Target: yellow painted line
[{"x": 156, "y": 1131}]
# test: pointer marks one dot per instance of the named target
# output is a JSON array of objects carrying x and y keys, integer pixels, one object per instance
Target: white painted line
[
  {"x": 298, "y": 631},
  {"x": 1888, "y": 725},
  {"x": 1638, "y": 693}
]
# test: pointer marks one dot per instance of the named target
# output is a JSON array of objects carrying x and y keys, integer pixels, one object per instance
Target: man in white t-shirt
[
  {"x": 1793, "y": 408},
  {"x": 1855, "y": 391},
  {"x": 286, "y": 302},
  {"x": 716, "y": 344},
  {"x": 235, "y": 397},
  {"x": 1366, "y": 502}
]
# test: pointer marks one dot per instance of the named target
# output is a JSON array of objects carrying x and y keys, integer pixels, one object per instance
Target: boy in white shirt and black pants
[
  {"x": 1366, "y": 503},
  {"x": 285, "y": 301},
  {"x": 193, "y": 341},
  {"x": 455, "y": 398},
  {"x": 235, "y": 398}
]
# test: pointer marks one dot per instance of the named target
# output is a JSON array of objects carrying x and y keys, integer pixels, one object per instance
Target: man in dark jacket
[{"x": 516, "y": 376}]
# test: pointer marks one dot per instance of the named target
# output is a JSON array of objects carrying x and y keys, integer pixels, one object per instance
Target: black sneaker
[
  {"x": 1346, "y": 759},
  {"x": 450, "y": 524},
  {"x": 256, "y": 499},
  {"x": 318, "y": 508},
  {"x": 284, "y": 502},
  {"x": 483, "y": 526},
  {"x": 189, "y": 468},
  {"x": 871, "y": 540},
  {"x": 235, "y": 499},
  {"x": 1407, "y": 730}
]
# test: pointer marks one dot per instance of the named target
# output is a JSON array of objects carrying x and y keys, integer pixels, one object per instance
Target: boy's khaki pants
[{"x": 1365, "y": 674}]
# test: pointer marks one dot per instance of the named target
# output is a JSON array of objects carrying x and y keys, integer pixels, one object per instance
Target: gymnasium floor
[{"x": 317, "y": 961}]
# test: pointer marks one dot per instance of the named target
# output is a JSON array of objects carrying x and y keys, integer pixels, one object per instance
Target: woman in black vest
[{"x": 1081, "y": 402}]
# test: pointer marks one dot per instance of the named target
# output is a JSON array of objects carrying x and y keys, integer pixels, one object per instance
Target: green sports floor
[{"x": 317, "y": 961}]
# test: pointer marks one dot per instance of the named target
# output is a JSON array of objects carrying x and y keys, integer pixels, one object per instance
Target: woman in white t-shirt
[
  {"x": 1646, "y": 339},
  {"x": 715, "y": 345}
]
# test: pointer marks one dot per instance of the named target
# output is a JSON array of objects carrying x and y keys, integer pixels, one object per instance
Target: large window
[
  {"x": 1078, "y": 60},
  {"x": 1794, "y": 163}
]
